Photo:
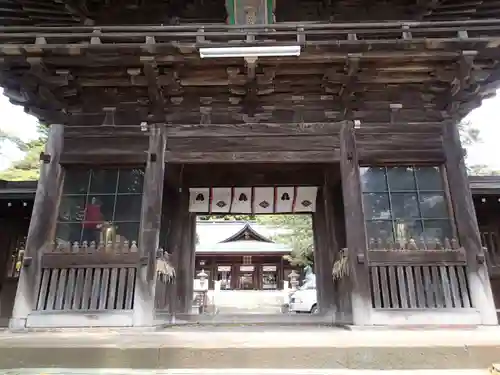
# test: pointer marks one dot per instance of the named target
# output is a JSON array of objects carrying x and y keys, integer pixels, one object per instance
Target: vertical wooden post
[
  {"x": 149, "y": 235},
  {"x": 185, "y": 273},
  {"x": 323, "y": 253},
  {"x": 192, "y": 266},
  {"x": 174, "y": 248},
  {"x": 332, "y": 249},
  {"x": 355, "y": 226},
  {"x": 467, "y": 227},
  {"x": 42, "y": 226}
]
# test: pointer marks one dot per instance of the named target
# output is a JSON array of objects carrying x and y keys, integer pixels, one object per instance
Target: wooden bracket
[
  {"x": 45, "y": 158},
  {"x": 153, "y": 158},
  {"x": 361, "y": 258},
  {"x": 27, "y": 261},
  {"x": 481, "y": 259}
]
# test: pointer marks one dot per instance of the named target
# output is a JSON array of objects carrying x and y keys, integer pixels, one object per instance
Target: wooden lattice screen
[
  {"x": 411, "y": 287},
  {"x": 409, "y": 277},
  {"x": 91, "y": 277}
]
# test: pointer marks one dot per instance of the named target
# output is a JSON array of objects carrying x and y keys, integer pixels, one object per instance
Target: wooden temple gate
[{"x": 363, "y": 104}]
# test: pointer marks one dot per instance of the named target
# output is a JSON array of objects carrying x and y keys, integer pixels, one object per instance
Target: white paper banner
[
  {"x": 284, "y": 199},
  {"x": 199, "y": 199},
  {"x": 242, "y": 201},
  {"x": 221, "y": 200},
  {"x": 263, "y": 200},
  {"x": 259, "y": 200},
  {"x": 305, "y": 200}
]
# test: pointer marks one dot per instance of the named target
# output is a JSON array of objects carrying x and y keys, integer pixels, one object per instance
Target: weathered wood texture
[
  {"x": 174, "y": 245},
  {"x": 199, "y": 13},
  {"x": 467, "y": 227},
  {"x": 354, "y": 224},
  {"x": 421, "y": 257},
  {"x": 149, "y": 235},
  {"x": 256, "y": 143},
  {"x": 104, "y": 145},
  {"x": 93, "y": 76},
  {"x": 166, "y": 290},
  {"x": 88, "y": 277},
  {"x": 42, "y": 226},
  {"x": 185, "y": 268},
  {"x": 324, "y": 248},
  {"x": 420, "y": 287}
]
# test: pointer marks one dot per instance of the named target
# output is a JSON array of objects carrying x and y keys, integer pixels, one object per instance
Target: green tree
[
  {"x": 28, "y": 168},
  {"x": 468, "y": 134},
  {"x": 297, "y": 233},
  {"x": 482, "y": 170},
  {"x": 232, "y": 217}
]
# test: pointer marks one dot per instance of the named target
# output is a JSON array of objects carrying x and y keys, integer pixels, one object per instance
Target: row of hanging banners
[{"x": 253, "y": 200}]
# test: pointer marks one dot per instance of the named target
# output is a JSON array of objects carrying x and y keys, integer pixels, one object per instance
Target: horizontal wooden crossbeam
[{"x": 353, "y": 38}]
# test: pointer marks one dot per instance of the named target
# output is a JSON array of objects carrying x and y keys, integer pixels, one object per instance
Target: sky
[{"x": 485, "y": 152}]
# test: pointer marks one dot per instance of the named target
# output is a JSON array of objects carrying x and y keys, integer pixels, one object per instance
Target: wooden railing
[
  {"x": 82, "y": 277},
  {"x": 153, "y": 39}
]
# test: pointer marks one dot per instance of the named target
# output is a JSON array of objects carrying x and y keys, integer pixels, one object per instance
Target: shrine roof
[
  {"x": 485, "y": 184},
  {"x": 243, "y": 247}
]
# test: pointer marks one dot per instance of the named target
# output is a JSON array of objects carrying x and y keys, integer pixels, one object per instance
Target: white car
[{"x": 304, "y": 300}]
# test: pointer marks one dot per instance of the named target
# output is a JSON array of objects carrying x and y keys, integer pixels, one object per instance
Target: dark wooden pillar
[
  {"x": 323, "y": 253},
  {"x": 185, "y": 270},
  {"x": 149, "y": 235},
  {"x": 174, "y": 247},
  {"x": 355, "y": 228},
  {"x": 466, "y": 224},
  {"x": 42, "y": 226},
  {"x": 332, "y": 249},
  {"x": 192, "y": 252}
]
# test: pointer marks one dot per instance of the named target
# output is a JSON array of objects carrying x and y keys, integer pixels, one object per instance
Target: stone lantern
[
  {"x": 202, "y": 276},
  {"x": 294, "y": 279}
]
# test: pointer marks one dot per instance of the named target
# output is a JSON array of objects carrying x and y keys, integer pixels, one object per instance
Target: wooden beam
[
  {"x": 149, "y": 235},
  {"x": 155, "y": 91},
  {"x": 252, "y": 157},
  {"x": 346, "y": 93},
  {"x": 42, "y": 228},
  {"x": 355, "y": 226},
  {"x": 253, "y": 129}
]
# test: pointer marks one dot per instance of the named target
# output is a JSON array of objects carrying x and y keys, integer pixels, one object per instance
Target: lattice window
[
  {"x": 406, "y": 202},
  {"x": 97, "y": 202},
  {"x": 247, "y": 259}
]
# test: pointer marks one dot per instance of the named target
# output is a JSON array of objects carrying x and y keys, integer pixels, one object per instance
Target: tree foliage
[
  {"x": 297, "y": 233},
  {"x": 482, "y": 170},
  {"x": 28, "y": 168},
  {"x": 233, "y": 217},
  {"x": 468, "y": 134}
]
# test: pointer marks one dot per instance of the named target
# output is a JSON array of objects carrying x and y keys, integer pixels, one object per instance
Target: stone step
[{"x": 299, "y": 349}]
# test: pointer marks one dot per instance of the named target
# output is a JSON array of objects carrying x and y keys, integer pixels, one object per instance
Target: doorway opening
[{"x": 253, "y": 264}]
